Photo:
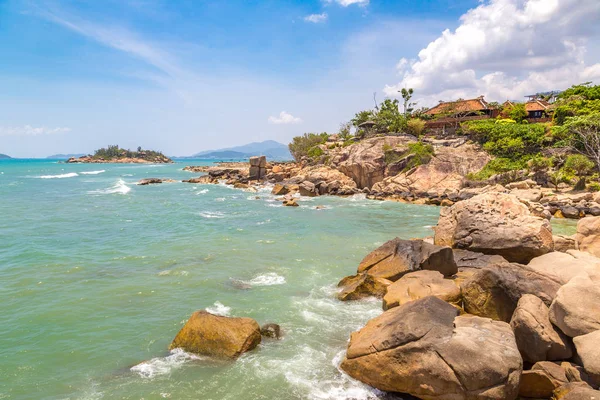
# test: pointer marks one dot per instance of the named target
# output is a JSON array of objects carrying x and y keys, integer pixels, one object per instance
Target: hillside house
[{"x": 447, "y": 116}]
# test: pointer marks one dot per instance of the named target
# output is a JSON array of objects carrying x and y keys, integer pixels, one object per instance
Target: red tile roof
[
  {"x": 471, "y": 105},
  {"x": 537, "y": 105}
]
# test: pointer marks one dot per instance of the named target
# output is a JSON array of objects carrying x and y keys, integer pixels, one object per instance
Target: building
[
  {"x": 448, "y": 115},
  {"x": 538, "y": 110}
]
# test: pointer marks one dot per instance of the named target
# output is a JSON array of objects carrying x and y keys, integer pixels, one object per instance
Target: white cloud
[
  {"x": 284, "y": 118},
  {"x": 346, "y": 3},
  {"x": 316, "y": 18},
  {"x": 28, "y": 130},
  {"x": 507, "y": 49}
]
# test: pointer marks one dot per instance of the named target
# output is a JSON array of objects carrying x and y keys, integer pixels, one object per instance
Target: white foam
[
  {"x": 203, "y": 191},
  {"x": 219, "y": 309},
  {"x": 60, "y": 176},
  {"x": 163, "y": 365},
  {"x": 93, "y": 172},
  {"x": 212, "y": 214},
  {"x": 268, "y": 279},
  {"x": 358, "y": 197},
  {"x": 118, "y": 188}
]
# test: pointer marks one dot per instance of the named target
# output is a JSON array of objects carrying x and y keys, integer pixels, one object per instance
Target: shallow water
[{"x": 98, "y": 275}]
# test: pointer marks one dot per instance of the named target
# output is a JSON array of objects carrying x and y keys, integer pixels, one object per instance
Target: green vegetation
[
  {"x": 417, "y": 154},
  {"x": 578, "y": 164},
  {"x": 115, "y": 152},
  {"x": 306, "y": 145},
  {"x": 415, "y": 126},
  {"x": 387, "y": 119},
  {"x": 517, "y": 112}
]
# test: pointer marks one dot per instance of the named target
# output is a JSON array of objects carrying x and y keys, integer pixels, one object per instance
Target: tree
[
  {"x": 518, "y": 112},
  {"x": 415, "y": 126},
  {"x": 585, "y": 134},
  {"x": 301, "y": 145},
  {"x": 407, "y": 95}
]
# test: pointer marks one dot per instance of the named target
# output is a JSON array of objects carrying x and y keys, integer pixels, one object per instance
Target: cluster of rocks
[
  {"x": 154, "y": 181},
  {"x": 489, "y": 310}
]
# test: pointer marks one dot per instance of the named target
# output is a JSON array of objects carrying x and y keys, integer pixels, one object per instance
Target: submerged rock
[
  {"x": 150, "y": 181},
  {"x": 398, "y": 257},
  {"x": 216, "y": 336},
  {"x": 425, "y": 349},
  {"x": 272, "y": 331}
]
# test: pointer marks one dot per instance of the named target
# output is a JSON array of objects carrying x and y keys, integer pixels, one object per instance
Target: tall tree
[{"x": 407, "y": 95}]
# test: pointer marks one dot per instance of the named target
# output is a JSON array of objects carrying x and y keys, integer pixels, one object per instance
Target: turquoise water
[{"x": 98, "y": 274}]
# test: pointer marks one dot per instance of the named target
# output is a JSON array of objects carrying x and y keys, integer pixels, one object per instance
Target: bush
[
  {"x": 497, "y": 166},
  {"x": 315, "y": 152},
  {"x": 539, "y": 163},
  {"x": 415, "y": 126},
  {"x": 301, "y": 145},
  {"x": 517, "y": 112},
  {"x": 594, "y": 186},
  {"x": 422, "y": 154},
  {"x": 507, "y": 140},
  {"x": 578, "y": 164}
]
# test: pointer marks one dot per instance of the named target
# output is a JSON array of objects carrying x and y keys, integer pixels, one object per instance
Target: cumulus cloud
[
  {"x": 316, "y": 18},
  {"x": 505, "y": 49},
  {"x": 346, "y": 3},
  {"x": 284, "y": 118},
  {"x": 28, "y": 130}
]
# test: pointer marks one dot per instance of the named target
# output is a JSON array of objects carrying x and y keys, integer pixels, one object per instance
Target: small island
[
  {"x": 115, "y": 154},
  {"x": 4, "y": 157}
]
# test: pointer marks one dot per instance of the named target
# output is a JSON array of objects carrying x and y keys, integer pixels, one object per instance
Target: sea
[{"x": 98, "y": 274}]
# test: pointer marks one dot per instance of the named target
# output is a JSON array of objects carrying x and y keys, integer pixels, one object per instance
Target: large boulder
[
  {"x": 588, "y": 235},
  {"x": 588, "y": 352},
  {"x": 536, "y": 337},
  {"x": 471, "y": 259},
  {"x": 365, "y": 162},
  {"x": 566, "y": 266},
  {"x": 216, "y": 336},
  {"x": 494, "y": 223},
  {"x": 398, "y": 257},
  {"x": 443, "y": 175},
  {"x": 576, "y": 308},
  {"x": 425, "y": 349},
  {"x": 419, "y": 284},
  {"x": 494, "y": 291},
  {"x": 362, "y": 286},
  {"x": 564, "y": 243}
]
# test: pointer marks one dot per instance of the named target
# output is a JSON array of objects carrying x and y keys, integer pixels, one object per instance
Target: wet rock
[
  {"x": 495, "y": 223},
  {"x": 291, "y": 203},
  {"x": 216, "y": 336},
  {"x": 360, "y": 286},
  {"x": 204, "y": 179},
  {"x": 150, "y": 181},
  {"x": 416, "y": 285},
  {"x": 536, "y": 337},
  {"x": 425, "y": 349},
  {"x": 494, "y": 291},
  {"x": 272, "y": 331},
  {"x": 576, "y": 308},
  {"x": 398, "y": 257}
]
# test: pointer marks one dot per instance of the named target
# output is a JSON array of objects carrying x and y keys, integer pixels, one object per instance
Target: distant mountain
[
  {"x": 64, "y": 156},
  {"x": 4, "y": 157},
  {"x": 270, "y": 148}
]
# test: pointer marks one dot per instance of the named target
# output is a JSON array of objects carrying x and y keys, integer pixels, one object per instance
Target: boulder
[
  {"x": 576, "y": 391},
  {"x": 291, "y": 203},
  {"x": 588, "y": 235},
  {"x": 425, "y": 349},
  {"x": 536, "y": 337},
  {"x": 588, "y": 351},
  {"x": 280, "y": 190},
  {"x": 149, "y": 181},
  {"x": 541, "y": 381},
  {"x": 576, "y": 308},
  {"x": 204, "y": 179},
  {"x": 216, "y": 336},
  {"x": 570, "y": 212},
  {"x": 419, "y": 284},
  {"x": 327, "y": 179},
  {"x": 494, "y": 223},
  {"x": 564, "y": 243},
  {"x": 494, "y": 291},
  {"x": 308, "y": 189},
  {"x": 472, "y": 259},
  {"x": 398, "y": 257},
  {"x": 361, "y": 286},
  {"x": 566, "y": 266}
]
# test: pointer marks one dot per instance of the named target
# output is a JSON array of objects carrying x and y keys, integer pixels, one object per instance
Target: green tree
[
  {"x": 415, "y": 126},
  {"x": 407, "y": 94},
  {"x": 389, "y": 118},
  {"x": 301, "y": 145},
  {"x": 585, "y": 135},
  {"x": 518, "y": 112}
]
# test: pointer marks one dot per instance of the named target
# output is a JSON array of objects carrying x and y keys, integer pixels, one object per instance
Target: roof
[
  {"x": 537, "y": 105},
  {"x": 366, "y": 123},
  {"x": 470, "y": 105}
]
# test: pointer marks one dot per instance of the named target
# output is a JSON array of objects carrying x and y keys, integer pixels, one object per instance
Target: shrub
[
  {"x": 539, "y": 163},
  {"x": 315, "y": 152},
  {"x": 302, "y": 144},
  {"x": 594, "y": 186},
  {"x": 415, "y": 126},
  {"x": 578, "y": 164},
  {"x": 497, "y": 166},
  {"x": 517, "y": 112},
  {"x": 422, "y": 154}
]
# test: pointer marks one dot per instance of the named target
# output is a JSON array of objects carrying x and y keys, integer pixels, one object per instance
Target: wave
[
  {"x": 60, "y": 176},
  {"x": 163, "y": 365},
  {"x": 219, "y": 309},
  {"x": 93, "y": 172},
  {"x": 119, "y": 188},
  {"x": 268, "y": 279},
  {"x": 209, "y": 214}
]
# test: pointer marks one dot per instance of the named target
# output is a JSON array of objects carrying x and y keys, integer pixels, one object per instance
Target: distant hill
[
  {"x": 64, "y": 156},
  {"x": 270, "y": 148},
  {"x": 4, "y": 157}
]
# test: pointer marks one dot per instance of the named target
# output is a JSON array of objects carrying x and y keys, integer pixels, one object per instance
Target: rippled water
[{"x": 98, "y": 275}]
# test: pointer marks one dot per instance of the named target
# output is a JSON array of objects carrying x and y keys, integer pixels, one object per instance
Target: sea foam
[
  {"x": 219, "y": 309},
  {"x": 118, "y": 188},
  {"x": 93, "y": 172},
  {"x": 268, "y": 279},
  {"x": 163, "y": 365},
  {"x": 60, "y": 176}
]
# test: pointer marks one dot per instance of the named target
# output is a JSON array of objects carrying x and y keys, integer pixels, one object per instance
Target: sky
[{"x": 183, "y": 76}]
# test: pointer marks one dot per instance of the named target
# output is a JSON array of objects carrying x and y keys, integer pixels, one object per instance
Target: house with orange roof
[{"x": 447, "y": 115}]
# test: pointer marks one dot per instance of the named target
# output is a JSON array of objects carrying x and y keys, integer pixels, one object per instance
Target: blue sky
[{"x": 186, "y": 76}]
